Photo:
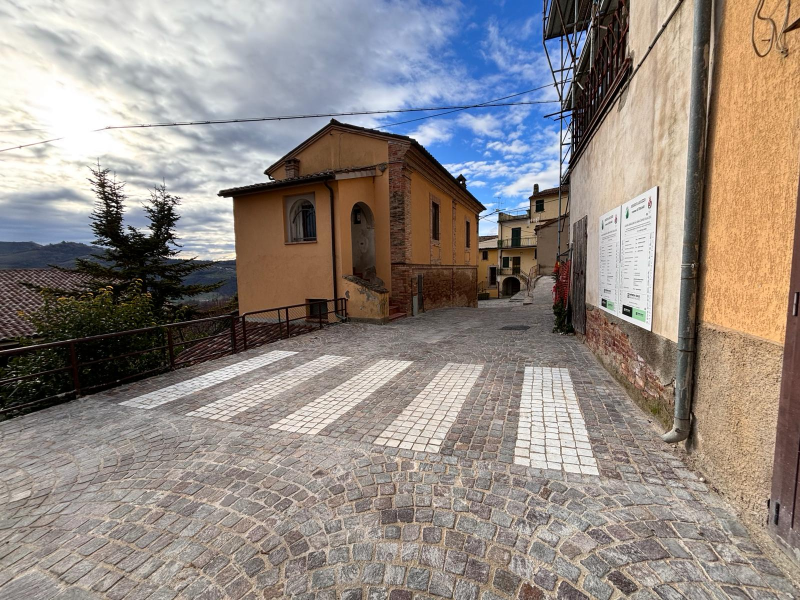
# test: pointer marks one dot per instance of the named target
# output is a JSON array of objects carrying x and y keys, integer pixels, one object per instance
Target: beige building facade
[
  {"x": 518, "y": 243},
  {"x": 640, "y": 141},
  {"x": 371, "y": 207},
  {"x": 487, "y": 267}
]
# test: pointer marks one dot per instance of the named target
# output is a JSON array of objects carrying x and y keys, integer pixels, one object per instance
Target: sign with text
[
  {"x": 637, "y": 259},
  {"x": 609, "y": 235}
]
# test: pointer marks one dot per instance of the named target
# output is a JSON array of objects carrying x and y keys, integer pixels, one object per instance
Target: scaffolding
[{"x": 585, "y": 43}]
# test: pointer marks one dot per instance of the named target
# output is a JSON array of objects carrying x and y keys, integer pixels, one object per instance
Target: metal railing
[
  {"x": 510, "y": 270},
  {"x": 58, "y": 371},
  {"x": 517, "y": 242}
]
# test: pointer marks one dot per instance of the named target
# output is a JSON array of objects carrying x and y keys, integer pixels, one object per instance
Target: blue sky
[{"x": 68, "y": 67}]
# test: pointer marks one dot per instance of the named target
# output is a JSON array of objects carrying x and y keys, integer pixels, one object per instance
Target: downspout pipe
[
  {"x": 333, "y": 250},
  {"x": 692, "y": 221}
]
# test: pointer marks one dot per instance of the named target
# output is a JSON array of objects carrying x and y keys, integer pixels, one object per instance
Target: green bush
[{"x": 91, "y": 314}]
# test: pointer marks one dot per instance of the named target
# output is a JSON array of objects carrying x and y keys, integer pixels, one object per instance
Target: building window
[
  {"x": 469, "y": 235},
  {"x": 435, "y": 221},
  {"x": 505, "y": 262},
  {"x": 540, "y": 205},
  {"x": 492, "y": 275},
  {"x": 303, "y": 221},
  {"x": 485, "y": 255}
]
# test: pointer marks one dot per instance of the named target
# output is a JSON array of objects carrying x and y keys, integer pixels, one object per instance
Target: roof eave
[{"x": 269, "y": 186}]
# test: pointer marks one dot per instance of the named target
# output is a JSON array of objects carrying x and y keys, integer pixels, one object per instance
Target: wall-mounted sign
[
  {"x": 638, "y": 259},
  {"x": 608, "y": 289},
  {"x": 627, "y": 240}
]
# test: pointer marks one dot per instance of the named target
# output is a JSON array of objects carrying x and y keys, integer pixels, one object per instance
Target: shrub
[{"x": 91, "y": 314}]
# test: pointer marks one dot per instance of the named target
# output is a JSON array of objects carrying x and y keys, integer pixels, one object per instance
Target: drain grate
[{"x": 514, "y": 328}]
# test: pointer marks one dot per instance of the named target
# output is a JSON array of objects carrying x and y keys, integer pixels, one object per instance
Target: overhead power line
[
  {"x": 482, "y": 104},
  {"x": 284, "y": 118}
]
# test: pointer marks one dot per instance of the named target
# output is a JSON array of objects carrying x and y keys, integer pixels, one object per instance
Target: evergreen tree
[{"x": 130, "y": 256}]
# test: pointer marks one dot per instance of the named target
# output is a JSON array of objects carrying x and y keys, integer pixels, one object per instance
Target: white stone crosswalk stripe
[
  {"x": 552, "y": 433},
  {"x": 230, "y": 406},
  {"x": 317, "y": 415},
  {"x": 184, "y": 388},
  {"x": 425, "y": 422}
]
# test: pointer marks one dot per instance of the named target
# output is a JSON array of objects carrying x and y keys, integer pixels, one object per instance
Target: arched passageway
[
  {"x": 511, "y": 286},
  {"x": 362, "y": 234}
]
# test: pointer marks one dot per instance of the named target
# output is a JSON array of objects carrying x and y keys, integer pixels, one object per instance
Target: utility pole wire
[
  {"x": 281, "y": 118},
  {"x": 441, "y": 114}
]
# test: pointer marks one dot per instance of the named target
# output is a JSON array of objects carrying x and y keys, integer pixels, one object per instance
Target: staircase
[{"x": 396, "y": 312}]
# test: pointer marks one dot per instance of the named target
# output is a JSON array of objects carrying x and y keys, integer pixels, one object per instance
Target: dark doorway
[
  {"x": 516, "y": 262},
  {"x": 510, "y": 286},
  {"x": 579, "y": 276},
  {"x": 362, "y": 234},
  {"x": 516, "y": 237},
  {"x": 784, "y": 520}
]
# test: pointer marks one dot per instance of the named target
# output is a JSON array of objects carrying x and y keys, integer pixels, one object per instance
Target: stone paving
[{"x": 275, "y": 474}]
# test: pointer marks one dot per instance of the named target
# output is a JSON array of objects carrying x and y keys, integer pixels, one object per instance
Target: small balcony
[
  {"x": 528, "y": 242},
  {"x": 510, "y": 270}
]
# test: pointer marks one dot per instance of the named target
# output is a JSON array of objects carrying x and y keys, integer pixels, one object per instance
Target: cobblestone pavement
[{"x": 444, "y": 456}]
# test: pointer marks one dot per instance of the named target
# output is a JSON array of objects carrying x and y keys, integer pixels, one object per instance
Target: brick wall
[
  {"x": 642, "y": 361},
  {"x": 399, "y": 205},
  {"x": 442, "y": 285}
]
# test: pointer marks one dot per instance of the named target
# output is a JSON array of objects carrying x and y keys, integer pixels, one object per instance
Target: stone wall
[{"x": 644, "y": 363}]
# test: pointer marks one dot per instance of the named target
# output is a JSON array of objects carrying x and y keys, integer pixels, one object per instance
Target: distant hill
[{"x": 30, "y": 255}]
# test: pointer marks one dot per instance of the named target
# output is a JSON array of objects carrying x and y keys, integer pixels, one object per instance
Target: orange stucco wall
[
  {"x": 423, "y": 250},
  {"x": 270, "y": 272},
  {"x": 339, "y": 150},
  {"x": 754, "y": 165},
  {"x": 748, "y": 230}
]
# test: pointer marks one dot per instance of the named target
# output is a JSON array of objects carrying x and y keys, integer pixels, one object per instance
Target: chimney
[
  {"x": 462, "y": 181},
  {"x": 535, "y": 188},
  {"x": 292, "y": 168}
]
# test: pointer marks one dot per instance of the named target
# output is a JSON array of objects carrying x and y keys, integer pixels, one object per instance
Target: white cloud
[
  {"x": 432, "y": 132},
  {"x": 513, "y": 147},
  {"x": 74, "y": 67},
  {"x": 486, "y": 124}
]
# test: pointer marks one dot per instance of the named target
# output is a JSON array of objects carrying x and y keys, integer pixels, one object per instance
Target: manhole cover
[{"x": 515, "y": 328}]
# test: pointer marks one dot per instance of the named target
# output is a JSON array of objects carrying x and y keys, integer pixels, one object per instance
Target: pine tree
[{"x": 129, "y": 255}]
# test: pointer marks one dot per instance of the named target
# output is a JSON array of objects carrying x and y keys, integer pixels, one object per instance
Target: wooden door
[
  {"x": 516, "y": 237},
  {"x": 784, "y": 520},
  {"x": 578, "y": 291},
  {"x": 516, "y": 265}
]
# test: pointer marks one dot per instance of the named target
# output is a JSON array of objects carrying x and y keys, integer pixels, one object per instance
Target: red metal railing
[
  {"x": 56, "y": 371},
  {"x": 609, "y": 67}
]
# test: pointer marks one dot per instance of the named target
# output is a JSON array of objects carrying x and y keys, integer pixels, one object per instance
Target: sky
[{"x": 69, "y": 66}]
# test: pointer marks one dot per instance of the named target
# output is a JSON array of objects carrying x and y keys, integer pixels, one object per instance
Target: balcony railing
[
  {"x": 517, "y": 243},
  {"x": 510, "y": 270},
  {"x": 59, "y": 371}
]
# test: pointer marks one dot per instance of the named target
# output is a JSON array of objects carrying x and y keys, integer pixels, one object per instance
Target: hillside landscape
[{"x": 30, "y": 255}]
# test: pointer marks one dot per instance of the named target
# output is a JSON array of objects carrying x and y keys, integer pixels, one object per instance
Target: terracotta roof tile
[{"x": 15, "y": 297}]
